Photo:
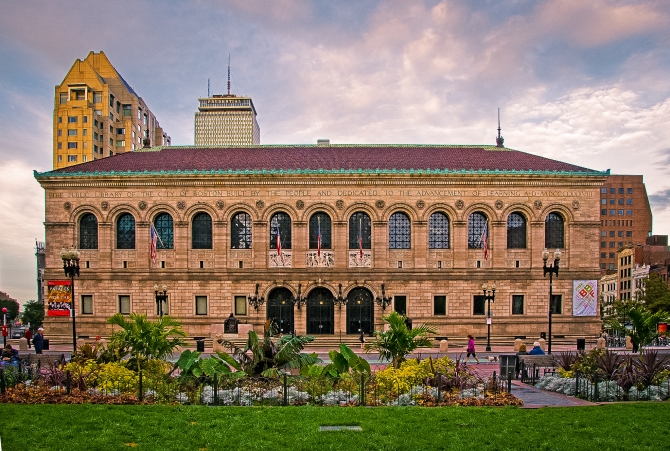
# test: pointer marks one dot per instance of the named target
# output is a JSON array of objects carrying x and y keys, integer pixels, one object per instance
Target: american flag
[
  {"x": 360, "y": 236},
  {"x": 154, "y": 239},
  {"x": 278, "y": 242},
  {"x": 485, "y": 240},
  {"x": 318, "y": 237}
]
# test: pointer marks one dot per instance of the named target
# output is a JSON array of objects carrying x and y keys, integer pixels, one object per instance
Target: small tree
[
  {"x": 33, "y": 314},
  {"x": 12, "y": 306},
  {"x": 656, "y": 294},
  {"x": 146, "y": 339},
  {"x": 394, "y": 344}
]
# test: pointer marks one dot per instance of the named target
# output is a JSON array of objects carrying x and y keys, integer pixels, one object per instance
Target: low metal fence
[{"x": 287, "y": 389}]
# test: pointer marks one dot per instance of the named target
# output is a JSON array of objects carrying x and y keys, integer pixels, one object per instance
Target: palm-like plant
[
  {"x": 394, "y": 344},
  {"x": 644, "y": 322},
  {"x": 146, "y": 339},
  {"x": 267, "y": 358}
]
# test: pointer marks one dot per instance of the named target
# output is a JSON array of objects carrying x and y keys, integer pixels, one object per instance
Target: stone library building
[{"x": 326, "y": 239}]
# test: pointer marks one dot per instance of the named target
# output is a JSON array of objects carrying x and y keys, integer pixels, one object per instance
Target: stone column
[
  {"x": 420, "y": 244},
  {"x": 261, "y": 244},
  {"x": 460, "y": 244},
  {"x": 300, "y": 243}
]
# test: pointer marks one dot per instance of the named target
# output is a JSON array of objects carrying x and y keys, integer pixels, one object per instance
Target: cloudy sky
[{"x": 584, "y": 82}]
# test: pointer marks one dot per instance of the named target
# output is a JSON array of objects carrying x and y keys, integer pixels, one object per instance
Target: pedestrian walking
[
  {"x": 362, "y": 339},
  {"x": 471, "y": 348},
  {"x": 38, "y": 341},
  {"x": 29, "y": 337}
]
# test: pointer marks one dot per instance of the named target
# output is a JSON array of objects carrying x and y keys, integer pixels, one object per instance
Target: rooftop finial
[
  {"x": 499, "y": 140},
  {"x": 229, "y": 74}
]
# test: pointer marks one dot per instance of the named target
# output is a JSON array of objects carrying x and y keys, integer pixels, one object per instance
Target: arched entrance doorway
[
  {"x": 360, "y": 311},
  {"x": 320, "y": 312},
  {"x": 280, "y": 310}
]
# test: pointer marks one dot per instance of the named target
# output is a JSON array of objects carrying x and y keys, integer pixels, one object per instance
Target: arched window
[
  {"x": 201, "y": 233},
  {"x": 360, "y": 231},
  {"x": 438, "y": 231},
  {"x": 240, "y": 231},
  {"x": 477, "y": 225},
  {"x": 125, "y": 232},
  {"x": 554, "y": 231},
  {"x": 320, "y": 223},
  {"x": 400, "y": 234},
  {"x": 165, "y": 230},
  {"x": 280, "y": 222},
  {"x": 88, "y": 232},
  {"x": 516, "y": 231}
]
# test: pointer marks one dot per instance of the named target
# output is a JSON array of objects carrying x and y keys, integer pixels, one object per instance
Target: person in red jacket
[{"x": 29, "y": 337}]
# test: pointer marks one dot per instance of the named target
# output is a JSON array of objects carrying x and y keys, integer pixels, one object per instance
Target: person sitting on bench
[{"x": 537, "y": 350}]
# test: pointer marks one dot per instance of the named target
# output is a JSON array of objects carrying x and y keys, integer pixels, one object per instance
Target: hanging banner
[
  {"x": 585, "y": 298},
  {"x": 59, "y": 295}
]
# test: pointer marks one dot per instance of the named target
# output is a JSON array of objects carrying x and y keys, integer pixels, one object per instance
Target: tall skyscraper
[
  {"x": 226, "y": 120},
  {"x": 97, "y": 114},
  {"x": 625, "y": 216}
]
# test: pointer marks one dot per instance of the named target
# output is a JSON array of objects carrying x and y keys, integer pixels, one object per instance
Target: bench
[{"x": 530, "y": 365}]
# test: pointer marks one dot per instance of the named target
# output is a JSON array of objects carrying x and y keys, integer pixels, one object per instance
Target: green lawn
[{"x": 628, "y": 426}]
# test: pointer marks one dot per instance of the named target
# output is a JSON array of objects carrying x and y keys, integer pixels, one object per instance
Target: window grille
[
  {"x": 516, "y": 231},
  {"x": 125, "y": 232},
  {"x": 321, "y": 220},
  {"x": 88, "y": 232},
  {"x": 477, "y": 222},
  {"x": 399, "y": 231},
  {"x": 240, "y": 231},
  {"x": 165, "y": 230},
  {"x": 360, "y": 225},
  {"x": 438, "y": 231},
  {"x": 553, "y": 231},
  {"x": 202, "y": 231},
  {"x": 283, "y": 221}
]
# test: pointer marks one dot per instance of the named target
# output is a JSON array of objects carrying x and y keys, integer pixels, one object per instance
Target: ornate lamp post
[
  {"x": 256, "y": 301},
  {"x": 383, "y": 301},
  {"x": 489, "y": 296},
  {"x": 160, "y": 299},
  {"x": 70, "y": 259},
  {"x": 299, "y": 300},
  {"x": 340, "y": 301},
  {"x": 551, "y": 269}
]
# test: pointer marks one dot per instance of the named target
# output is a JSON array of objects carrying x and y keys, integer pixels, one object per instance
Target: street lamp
[
  {"x": 490, "y": 296},
  {"x": 256, "y": 301},
  {"x": 299, "y": 300},
  {"x": 340, "y": 301},
  {"x": 4, "y": 327},
  {"x": 70, "y": 259},
  {"x": 552, "y": 269},
  {"x": 160, "y": 299},
  {"x": 382, "y": 300}
]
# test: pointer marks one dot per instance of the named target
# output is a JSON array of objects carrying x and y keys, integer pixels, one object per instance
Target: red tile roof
[{"x": 335, "y": 157}]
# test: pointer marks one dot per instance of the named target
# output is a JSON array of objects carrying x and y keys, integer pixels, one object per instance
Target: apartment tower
[
  {"x": 97, "y": 114},
  {"x": 625, "y": 217}
]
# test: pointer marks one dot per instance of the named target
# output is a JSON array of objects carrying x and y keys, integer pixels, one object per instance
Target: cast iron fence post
[
  {"x": 509, "y": 382},
  {"x": 2, "y": 381},
  {"x": 439, "y": 386},
  {"x": 595, "y": 387},
  {"x": 362, "y": 401},
  {"x": 68, "y": 382},
  {"x": 141, "y": 388},
  {"x": 285, "y": 389},
  {"x": 215, "y": 384}
]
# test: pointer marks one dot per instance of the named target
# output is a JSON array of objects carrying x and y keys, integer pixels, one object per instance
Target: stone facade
[{"x": 420, "y": 274}]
